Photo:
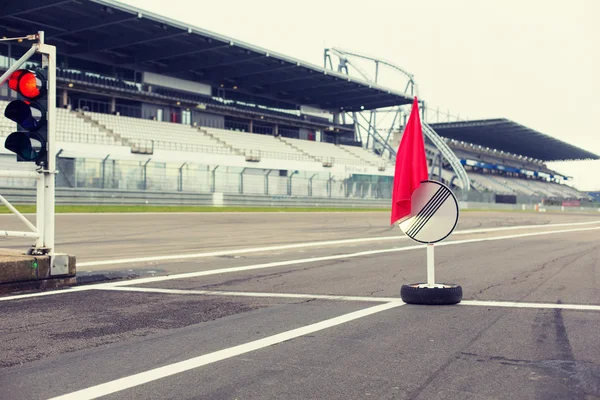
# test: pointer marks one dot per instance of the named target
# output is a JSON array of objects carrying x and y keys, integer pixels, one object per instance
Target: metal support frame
[
  {"x": 368, "y": 127},
  {"x": 104, "y": 170},
  {"x": 145, "y": 171},
  {"x": 267, "y": 180},
  {"x": 241, "y": 186},
  {"x": 290, "y": 182},
  {"x": 45, "y": 190},
  {"x": 329, "y": 185},
  {"x": 180, "y": 183},
  {"x": 371, "y": 139},
  {"x": 213, "y": 183},
  {"x": 449, "y": 155},
  {"x": 310, "y": 185},
  {"x": 375, "y": 136}
]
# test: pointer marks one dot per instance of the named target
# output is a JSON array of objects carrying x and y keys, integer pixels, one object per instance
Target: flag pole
[{"x": 430, "y": 266}]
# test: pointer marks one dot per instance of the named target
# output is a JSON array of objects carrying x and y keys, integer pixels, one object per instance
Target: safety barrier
[{"x": 145, "y": 197}]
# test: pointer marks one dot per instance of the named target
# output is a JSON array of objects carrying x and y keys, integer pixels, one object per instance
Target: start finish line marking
[{"x": 478, "y": 303}]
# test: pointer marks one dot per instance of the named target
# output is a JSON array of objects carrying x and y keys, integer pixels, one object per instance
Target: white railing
[{"x": 85, "y": 138}]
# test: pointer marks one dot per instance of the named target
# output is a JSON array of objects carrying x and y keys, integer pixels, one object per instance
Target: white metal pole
[
  {"x": 49, "y": 59},
  {"x": 39, "y": 211},
  {"x": 430, "y": 266}
]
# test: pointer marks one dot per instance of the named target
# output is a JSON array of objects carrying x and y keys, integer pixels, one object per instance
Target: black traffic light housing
[{"x": 29, "y": 111}]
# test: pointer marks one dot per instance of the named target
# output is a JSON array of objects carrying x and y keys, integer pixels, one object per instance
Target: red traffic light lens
[
  {"x": 13, "y": 81},
  {"x": 30, "y": 85},
  {"x": 27, "y": 83}
]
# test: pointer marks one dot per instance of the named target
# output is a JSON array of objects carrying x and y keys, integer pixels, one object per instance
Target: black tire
[{"x": 449, "y": 294}]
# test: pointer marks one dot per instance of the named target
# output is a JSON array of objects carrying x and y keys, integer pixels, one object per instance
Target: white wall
[{"x": 175, "y": 83}]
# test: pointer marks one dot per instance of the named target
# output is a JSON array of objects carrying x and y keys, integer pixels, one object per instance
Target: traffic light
[{"x": 29, "y": 111}]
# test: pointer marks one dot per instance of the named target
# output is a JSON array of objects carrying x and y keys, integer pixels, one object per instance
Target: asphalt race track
[{"x": 307, "y": 306}]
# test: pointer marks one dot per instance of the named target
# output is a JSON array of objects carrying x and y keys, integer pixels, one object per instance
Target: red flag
[{"x": 411, "y": 165}]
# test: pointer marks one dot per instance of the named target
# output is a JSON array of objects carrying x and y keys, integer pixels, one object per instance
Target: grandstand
[
  {"x": 139, "y": 88},
  {"x": 509, "y": 159}
]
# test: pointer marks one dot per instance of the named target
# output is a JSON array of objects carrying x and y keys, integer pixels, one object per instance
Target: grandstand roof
[
  {"x": 509, "y": 136},
  {"x": 123, "y": 39}
]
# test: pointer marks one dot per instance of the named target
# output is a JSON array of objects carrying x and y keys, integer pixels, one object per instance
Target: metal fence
[
  {"x": 476, "y": 197},
  {"x": 106, "y": 108},
  {"x": 197, "y": 179},
  {"x": 86, "y": 173}
]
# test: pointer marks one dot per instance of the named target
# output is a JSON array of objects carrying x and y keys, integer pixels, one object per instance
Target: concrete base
[{"x": 19, "y": 271}]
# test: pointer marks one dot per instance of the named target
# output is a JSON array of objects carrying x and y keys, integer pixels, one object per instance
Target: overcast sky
[{"x": 534, "y": 62}]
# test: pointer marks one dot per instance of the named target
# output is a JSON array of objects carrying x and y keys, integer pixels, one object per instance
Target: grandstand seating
[
  {"x": 97, "y": 128},
  {"x": 173, "y": 136},
  {"x": 115, "y": 83},
  {"x": 544, "y": 188},
  {"x": 254, "y": 144},
  {"x": 512, "y": 184},
  {"x": 69, "y": 129},
  {"x": 491, "y": 183},
  {"x": 112, "y": 82},
  {"x": 367, "y": 155},
  {"x": 520, "y": 186},
  {"x": 569, "y": 191},
  {"x": 469, "y": 151},
  {"x": 160, "y": 135},
  {"x": 106, "y": 129},
  {"x": 326, "y": 152},
  {"x": 532, "y": 187}
]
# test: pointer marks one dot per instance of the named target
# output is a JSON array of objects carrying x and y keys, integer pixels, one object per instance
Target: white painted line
[
  {"x": 175, "y": 257},
  {"x": 582, "y": 307},
  {"x": 253, "y": 294},
  {"x": 48, "y": 293},
  {"x": 290, "y": 262},
  {"x": 261, "y": 266},
  {"x": 196, "y": 362},
  {"x": 520, "y": 227},
  {"x": 335, "y": 257},
  {"x": 480, "y": 303}
]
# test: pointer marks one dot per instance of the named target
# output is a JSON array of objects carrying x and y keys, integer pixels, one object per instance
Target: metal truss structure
[
  {"x": 375, "y": 133},
  {"x": 371, "y": 131}
]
